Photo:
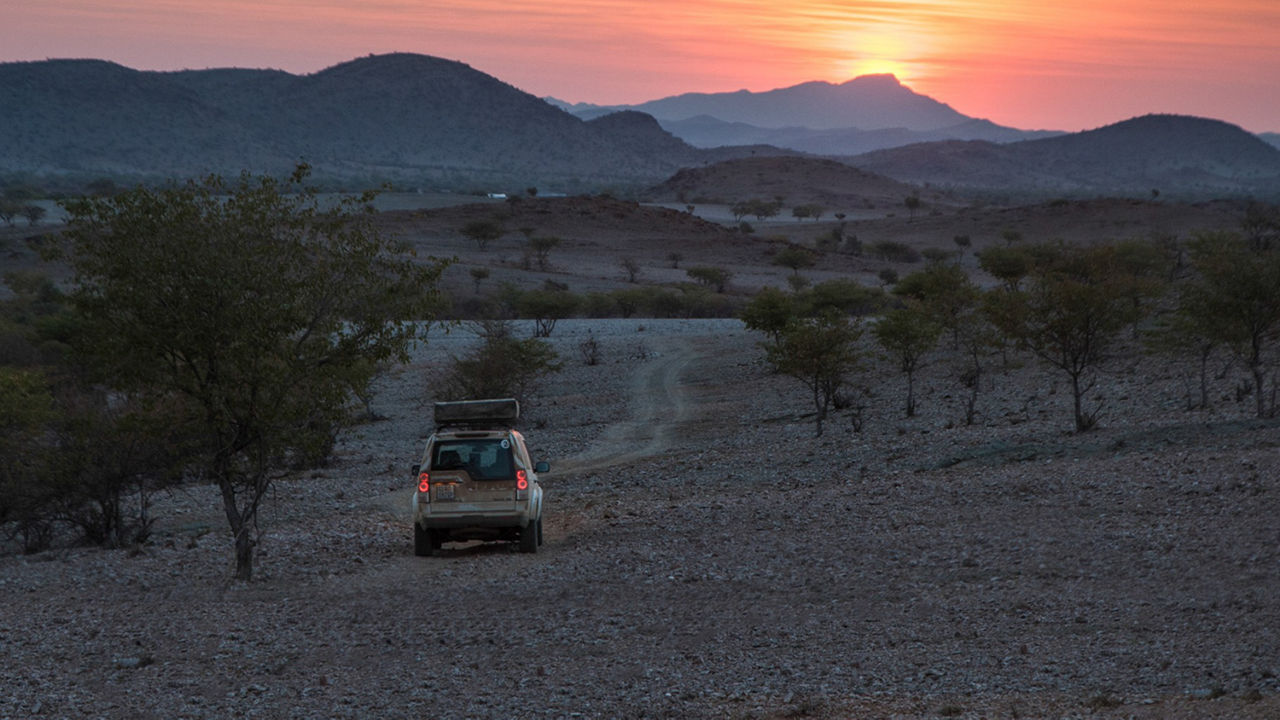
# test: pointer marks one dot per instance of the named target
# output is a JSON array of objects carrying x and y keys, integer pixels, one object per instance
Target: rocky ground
[{"x": 708, "y": 556}]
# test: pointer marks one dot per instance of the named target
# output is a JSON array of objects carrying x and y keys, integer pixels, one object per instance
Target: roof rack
[{"x": 498, "y": 412}]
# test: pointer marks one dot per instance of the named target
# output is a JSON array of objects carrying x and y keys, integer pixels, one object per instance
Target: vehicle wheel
[
  {"x": 529, "y": 538},
  {"x": 539, "y": 531},
  {"x": 424, "y": 541}
]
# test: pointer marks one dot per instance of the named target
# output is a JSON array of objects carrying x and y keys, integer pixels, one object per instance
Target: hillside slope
[
  {"x": 401, "y": 117},
  {"x": 1166, "y": 153}
]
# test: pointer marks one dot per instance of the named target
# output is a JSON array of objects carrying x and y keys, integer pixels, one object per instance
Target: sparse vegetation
[
  {"x": 820, "y": 352},
  {"x": 482, "y": 232},
  {"x": 499, "y": 365},
  {"x": 907, "y": 335},
  {"x": 247, "y": 312},
  {"x": 712, "y": 277}
]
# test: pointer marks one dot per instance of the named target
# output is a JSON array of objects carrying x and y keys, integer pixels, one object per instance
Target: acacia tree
[
  {"x": 770, "y": 311},
  {"x": 541, "y": 248},
  {"x": 482, "y": 232},
  {"x": 1235, "y": 299},
  {"x": 712, "y": 277},
  {"x": 819, "y": 352},
  {"x": 1069, "y": 315},
  {"x": 794, "y": 257},
  {"x": 907, "y": 334},
  {"x": 253, "y": 311},
  {"x": 546, "y": 307}
]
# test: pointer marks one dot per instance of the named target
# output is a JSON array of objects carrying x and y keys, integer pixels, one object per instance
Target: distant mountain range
[
  {"x": 871, "y": 112},
  {"x": 423, "y": 121}
]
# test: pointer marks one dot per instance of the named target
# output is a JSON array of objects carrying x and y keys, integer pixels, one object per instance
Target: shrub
[
  {"x": 499, "y": 366},
  {"x": 894, "y": 251},
  {"x": 713, "y": 277}
]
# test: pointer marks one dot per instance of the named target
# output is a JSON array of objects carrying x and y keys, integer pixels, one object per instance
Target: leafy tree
[
  {"x": 761, "y": 209},
  {"x": 1188, "y": 329},
  {"x": 770, "y": 312},
  {"x": 1009, "y": 265},
  {"x": 894, "y": 251},
  {"x": 819, "y": 352},
  {"x": 547, "y": 307},
  {"x": 1070, "y": 314},
  {"x": 908, "y": 334},
  {"x": 975, "y": 338},
  {"x": 482, "y": 232},
  {"x": 810, "y": 210},
  {"x": 841, "y": 295},
  {"x": 478, "y": 275},
  {"x": 499, "y": 366},
  {"x": 26, "y": 412},
  {"x": 632, "y": 300},
  {"x": 944, "y": 292},
  {"x": 797, "y": 282},
  {"x": 1235, "y": 299},
  {"x": 250, "y": 309},
  {"x": 541, "y": 247},
  {"x": 712, "y": 277},
  {"x": 913, "y": 204},
  {"x": 794, "y": 257}
]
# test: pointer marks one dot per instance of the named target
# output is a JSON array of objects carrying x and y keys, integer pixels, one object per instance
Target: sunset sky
[{"x": 1024, "y": 63}]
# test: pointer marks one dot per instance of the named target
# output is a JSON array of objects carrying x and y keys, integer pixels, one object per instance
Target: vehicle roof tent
[{"x": 498, "y": 412}]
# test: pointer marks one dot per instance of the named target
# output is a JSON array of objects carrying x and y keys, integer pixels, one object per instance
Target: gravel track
[{"x": 732, "y": 565}]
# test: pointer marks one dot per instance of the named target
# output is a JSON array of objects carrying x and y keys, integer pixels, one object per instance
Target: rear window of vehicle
[{"x": 485, "y": 459}]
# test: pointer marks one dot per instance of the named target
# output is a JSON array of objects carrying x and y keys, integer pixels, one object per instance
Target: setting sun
[{"x": 880, "y": 66}]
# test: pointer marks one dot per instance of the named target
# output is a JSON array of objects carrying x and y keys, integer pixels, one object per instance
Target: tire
[
  {"x": 529, "y": 537},
  {"x": 424, "y": 541},
  {"x": 539, "y": 531}
]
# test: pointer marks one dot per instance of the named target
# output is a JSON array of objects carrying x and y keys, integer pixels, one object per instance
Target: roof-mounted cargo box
[{"x": 502, "y": 412}]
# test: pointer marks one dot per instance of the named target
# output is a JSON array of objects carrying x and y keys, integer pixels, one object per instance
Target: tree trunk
[
  {"x": 1259, "y": 386},
  {"x": 1082, "y": 423},
  {"x": 819, "y": 406},
  {"x": 1204, "y": 377},
  {"x": 911, "y": 394},
  {"x": 244, "y": 554},
  {"x": 241, "y": 530}
]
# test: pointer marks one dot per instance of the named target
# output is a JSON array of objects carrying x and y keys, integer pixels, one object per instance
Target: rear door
[{"x": 473, "y": 473}]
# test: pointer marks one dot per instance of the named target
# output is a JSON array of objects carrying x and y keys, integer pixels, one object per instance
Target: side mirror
[{"x": 541, "y": 466}]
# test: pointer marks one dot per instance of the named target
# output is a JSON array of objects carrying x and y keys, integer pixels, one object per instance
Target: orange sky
[{"x": 1030, "y": 64}]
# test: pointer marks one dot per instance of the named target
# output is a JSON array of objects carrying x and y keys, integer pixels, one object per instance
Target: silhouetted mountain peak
[{"x": 880, "y": 80}]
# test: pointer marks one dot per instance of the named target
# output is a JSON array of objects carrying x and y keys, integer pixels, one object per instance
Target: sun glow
[{"x": 880, "y": 66}]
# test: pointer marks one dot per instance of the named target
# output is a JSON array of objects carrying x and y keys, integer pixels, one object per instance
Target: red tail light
[
  {"x": 522, "y": 480},
  {"x": 424, "y": 482}
]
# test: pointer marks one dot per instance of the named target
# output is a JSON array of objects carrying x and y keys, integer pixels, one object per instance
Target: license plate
[{"x": 444, "y": 492}]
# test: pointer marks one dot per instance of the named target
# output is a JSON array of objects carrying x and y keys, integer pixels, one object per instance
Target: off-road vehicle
[{"x": 475, "y": 480}]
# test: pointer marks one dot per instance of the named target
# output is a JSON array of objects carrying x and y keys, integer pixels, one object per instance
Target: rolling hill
[{"x": 1172, "y": 154}]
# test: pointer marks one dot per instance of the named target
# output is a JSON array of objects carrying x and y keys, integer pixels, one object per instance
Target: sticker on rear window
[{"x": 506, "y": 444}]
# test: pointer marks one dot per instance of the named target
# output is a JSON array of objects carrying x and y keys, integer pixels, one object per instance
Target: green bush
[
  {"x": 499, "y": 366},
  {"x": 894, "y": 251}
]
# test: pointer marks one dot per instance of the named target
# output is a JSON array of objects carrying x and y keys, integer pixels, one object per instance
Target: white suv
[{"x": 476, "y": 480}]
